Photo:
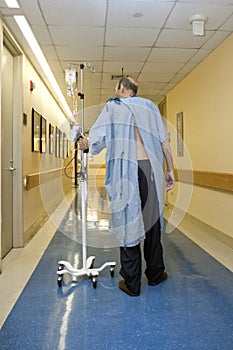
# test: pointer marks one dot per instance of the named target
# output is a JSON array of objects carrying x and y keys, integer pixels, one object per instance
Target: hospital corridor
[{"x": 116, "y": 130}]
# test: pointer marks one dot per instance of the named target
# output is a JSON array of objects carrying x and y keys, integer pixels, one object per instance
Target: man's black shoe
[
  {"x": 160, "y": 279},
  {"x": 124, "y": 288}
]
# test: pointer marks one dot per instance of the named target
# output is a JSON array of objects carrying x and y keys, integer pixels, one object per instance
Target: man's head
[{"x": 126, "y": 88}]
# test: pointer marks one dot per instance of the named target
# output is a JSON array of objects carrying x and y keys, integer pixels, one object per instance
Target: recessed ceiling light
[
  {"x": 137, "y": 14},
  {"x": 29, "y": 36},
  {"x": 12, "y": 3}
]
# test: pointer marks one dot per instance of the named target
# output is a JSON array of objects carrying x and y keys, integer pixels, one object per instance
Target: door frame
[{"x": 17, "y": 132}]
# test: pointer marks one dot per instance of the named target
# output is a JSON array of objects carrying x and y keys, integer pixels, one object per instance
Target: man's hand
[
  {"x": 83, "y": 143},
  {"x": 169, "y": 180}
]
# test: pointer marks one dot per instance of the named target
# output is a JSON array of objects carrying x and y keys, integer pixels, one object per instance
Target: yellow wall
[
  {"x": 205, "y": 97},
  {"x": 40, "y": 201}
]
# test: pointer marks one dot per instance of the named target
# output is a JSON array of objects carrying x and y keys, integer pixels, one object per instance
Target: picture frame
[
  {"x": 57, "y": 142},
  {"x": 61, "y": 143},
  {"x": 43, "y": 134},
  {"x": 36, "y": 138},
  {"x": 180, "y": 134},
  {"x": 65, "y": 145},
  {"x": 51, "y": 138}
]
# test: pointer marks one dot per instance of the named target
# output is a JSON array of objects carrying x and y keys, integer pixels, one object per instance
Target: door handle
[{"x": 11, "y": 167}]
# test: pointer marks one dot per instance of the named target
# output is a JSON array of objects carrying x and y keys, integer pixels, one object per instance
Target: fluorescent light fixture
[
  {"x": 12, "y": 4},
  {"x": 29, "y": 36}
]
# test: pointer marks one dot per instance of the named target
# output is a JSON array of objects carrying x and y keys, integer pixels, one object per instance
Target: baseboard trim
[
  {"x": 210, "y": 230},
  {"x": 34, "y": 228}
]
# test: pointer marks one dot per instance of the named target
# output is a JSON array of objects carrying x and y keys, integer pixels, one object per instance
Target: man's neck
[{"x": 126, "y": 94}]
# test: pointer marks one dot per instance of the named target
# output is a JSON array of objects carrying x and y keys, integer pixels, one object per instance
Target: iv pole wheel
[
  {"x": 59, "y": 281},
  {"x": 94, "y": 281},
  {"x": 60, "y": 267},
  {"x": 60, "y": 277},
  {"x": 112, "y": 271}
]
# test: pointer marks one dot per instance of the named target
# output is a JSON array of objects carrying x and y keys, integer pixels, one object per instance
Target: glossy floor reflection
[
  {"x": 97, "y": 220},
  {"x": 191, "y": 310}
]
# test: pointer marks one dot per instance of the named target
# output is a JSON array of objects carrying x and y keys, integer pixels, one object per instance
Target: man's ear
[{"x": 122, "y": 88}]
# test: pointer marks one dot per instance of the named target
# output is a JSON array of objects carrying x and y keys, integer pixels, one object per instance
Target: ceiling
[{"x": 151, "y": 40}]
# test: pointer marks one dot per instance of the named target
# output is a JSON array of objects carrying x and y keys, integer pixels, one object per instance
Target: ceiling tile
[
  {"x": 32, "y": 12},
  {"x": 208, "y": 2},
  {"x": 109, "y": 84},
  {"x": 96, "y": 78},
  {"x": 215, "y": 40},
  {"x": 49, "y": 52},
  {"x": 181, "y": 39},
  {"x": 152, "y": 86},
  {"x": 131, "y": 36},
  {"x": 184, "y": 71},
  {"x": 116, "y": 67},
  {"x": 42, "y": 34},
  {"x": 171, "y": 85},
  {"x": 77, "y": 36},
  {"x": 84, "y": 54},
  {"x": 69, "y": 12},
  {"x": 215, "y": 12},
  {"x": 158, "y": 77},
  {"x": 171, "y": 54},
  {"x": 121, "y": 13},
  {"x": 157, "y": 67},
  {"x": 126, "y": 53},
  {"x": 228, "y": 25},
  {"x": 200, "y": 56},
  {"x": 56, "y": 66}
]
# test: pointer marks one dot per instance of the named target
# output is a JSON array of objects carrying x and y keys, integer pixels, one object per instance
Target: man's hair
[{"x": 128, "y": 84}]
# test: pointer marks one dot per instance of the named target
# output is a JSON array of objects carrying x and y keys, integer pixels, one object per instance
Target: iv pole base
[{"x": 65, "y": 267}]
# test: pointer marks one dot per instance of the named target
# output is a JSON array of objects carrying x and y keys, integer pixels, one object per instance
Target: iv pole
[{"x": 88, "y": 263}]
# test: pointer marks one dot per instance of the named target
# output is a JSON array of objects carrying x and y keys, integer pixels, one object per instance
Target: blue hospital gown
[{"x": 114, "y": 130}]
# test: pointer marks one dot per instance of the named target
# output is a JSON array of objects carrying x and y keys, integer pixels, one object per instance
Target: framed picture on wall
[
  {"x": 61, "y": 144},
  {"x": 43, "y": 134},
  {"x": 35, "y": 131},
  {"x": 64, "y": 145},
  {"x": 180, "y": 134},
  {"x": 57, "y": 142},
  {"x": 51, "y": 139}
]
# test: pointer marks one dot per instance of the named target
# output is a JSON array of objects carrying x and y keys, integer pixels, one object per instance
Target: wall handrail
[
  {"x": 208, "y": 179},
  {"x": 36, "y": 179}
]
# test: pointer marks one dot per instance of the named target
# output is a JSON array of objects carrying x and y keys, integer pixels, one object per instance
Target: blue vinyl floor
[{"x": 192, "y": 309}]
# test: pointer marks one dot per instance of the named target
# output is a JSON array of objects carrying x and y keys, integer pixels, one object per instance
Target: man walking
[{"x": 136, "y": 141}]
